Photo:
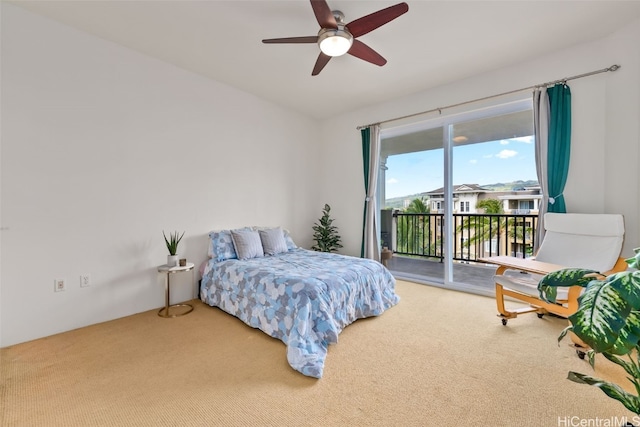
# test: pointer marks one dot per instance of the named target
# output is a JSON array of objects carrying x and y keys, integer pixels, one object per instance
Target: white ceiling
[{"x": 436, "y": 42}]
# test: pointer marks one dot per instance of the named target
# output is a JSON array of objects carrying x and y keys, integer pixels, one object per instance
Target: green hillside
[
  {"x": 398, "y": 202},
  {"x": 510, "y": 186}
]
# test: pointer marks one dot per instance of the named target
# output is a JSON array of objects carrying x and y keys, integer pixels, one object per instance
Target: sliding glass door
[
  {"x": 447, "y": 186},
  {"x": 412, "y": 222}
]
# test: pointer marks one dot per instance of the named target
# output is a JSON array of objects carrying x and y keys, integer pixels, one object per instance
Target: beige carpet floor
[{"x": 438, "y": 358}]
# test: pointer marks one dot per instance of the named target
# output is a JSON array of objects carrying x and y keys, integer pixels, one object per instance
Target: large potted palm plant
[{"x": 607, "y": 321}]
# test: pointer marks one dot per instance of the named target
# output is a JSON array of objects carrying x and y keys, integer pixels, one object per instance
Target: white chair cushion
[
  {"x": 526, "y": 283},
  {"x": 591, "y": 241}
]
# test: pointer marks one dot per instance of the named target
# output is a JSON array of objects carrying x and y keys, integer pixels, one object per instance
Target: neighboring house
[
  {"x": 524, "y": 200},
  {"x": 465, "y": 197}
]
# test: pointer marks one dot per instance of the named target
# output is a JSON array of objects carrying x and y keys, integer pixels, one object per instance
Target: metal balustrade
[{"x": 474, "y": 235}]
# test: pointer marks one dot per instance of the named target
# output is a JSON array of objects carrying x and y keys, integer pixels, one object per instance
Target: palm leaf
[
  {"x": 630, "y": 401},
  {"x": 629, "y": 336},
  {"x": 630, "y": 368},
  {"x": 547, "y": 287},
  {"x": 635, "y": 261},
  {"x": 604, "y": 309},
  {"x": 564, "y": 333}
]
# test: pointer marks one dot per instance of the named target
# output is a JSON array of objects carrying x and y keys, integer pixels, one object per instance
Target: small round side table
[{"x": 164, "y": 311}]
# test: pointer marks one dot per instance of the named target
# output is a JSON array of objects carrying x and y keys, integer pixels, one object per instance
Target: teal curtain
[
  {"x": 366, "y": 154},
  {"x": 559, "y": 145}
]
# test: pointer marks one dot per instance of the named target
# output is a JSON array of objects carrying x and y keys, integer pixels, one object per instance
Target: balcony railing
[{"x": 474, "y": 235}]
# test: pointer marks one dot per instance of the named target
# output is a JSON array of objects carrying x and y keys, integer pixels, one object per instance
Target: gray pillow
[
  {"x": 247, "y": 244},
  {"x": 273, "y": 241}
]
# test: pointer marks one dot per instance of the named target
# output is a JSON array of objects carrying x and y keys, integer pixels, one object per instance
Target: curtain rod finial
[{"x": 614, "y": 67}]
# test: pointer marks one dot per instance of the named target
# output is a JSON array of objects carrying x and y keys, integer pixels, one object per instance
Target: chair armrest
[
  {"x": 528, "y": 265},
  {"x": 621, "y": 265},
  {"x": 532, "y": 266}
]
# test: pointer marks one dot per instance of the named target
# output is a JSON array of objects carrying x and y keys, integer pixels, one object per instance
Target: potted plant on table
[
  {"x": 607, "y": 321},
  {"x": 172, "y": 245}
]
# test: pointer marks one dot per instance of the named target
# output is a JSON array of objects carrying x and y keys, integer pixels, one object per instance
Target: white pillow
[
  {"x": 247, "y": 244},
  {"x": 273, "y": 241},
  {"x": 287, "y": 237}
]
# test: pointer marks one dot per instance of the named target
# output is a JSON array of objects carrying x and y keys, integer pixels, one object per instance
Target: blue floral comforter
[{"x": 302, "y": 297}]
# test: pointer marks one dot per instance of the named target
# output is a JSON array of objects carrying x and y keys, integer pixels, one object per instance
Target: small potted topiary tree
[{"x": 325, "y": 234}]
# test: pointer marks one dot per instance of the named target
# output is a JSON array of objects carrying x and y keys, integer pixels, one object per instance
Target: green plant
[
  {"x": 325, "y": 234},
  {"x": 482, "y": 228},
  {"x": 607, "y": 320},
  {"x": 172, "y": 241},
  {"x": 412, "y": 228}
]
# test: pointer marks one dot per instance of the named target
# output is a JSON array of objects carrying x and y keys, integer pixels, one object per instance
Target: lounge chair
[{"x": 592, "y": 241}]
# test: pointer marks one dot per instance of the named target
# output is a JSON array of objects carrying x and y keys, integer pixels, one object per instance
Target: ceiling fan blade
[
  {"x": 305, "y": 39},
  {"x": 323, "y": 14},
  {"x": 320, "y": 63},
  {"x": 362, "y": 51},
  {"x": 377, "y": 19}
]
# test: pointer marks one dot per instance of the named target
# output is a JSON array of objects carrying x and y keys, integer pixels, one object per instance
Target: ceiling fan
[{"x": 336, "y": 38}]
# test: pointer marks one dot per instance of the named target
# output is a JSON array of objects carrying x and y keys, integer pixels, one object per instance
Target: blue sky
[{"x": 484, "y": 163}]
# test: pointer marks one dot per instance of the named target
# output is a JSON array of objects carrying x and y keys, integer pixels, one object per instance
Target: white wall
[
  {"x": 603, "y": 176},
  {"x": 102, "y": 149}
]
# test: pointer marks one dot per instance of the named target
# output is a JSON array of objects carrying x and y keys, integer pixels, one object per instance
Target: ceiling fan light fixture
[
  {"x": 336, "y": 38},
  {"x": 460, "y": 139},
  {"x": 334, "y": 42}
]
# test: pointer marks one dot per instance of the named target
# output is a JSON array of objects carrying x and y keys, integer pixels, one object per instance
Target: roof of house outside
[{"x": 462, "y": 188}]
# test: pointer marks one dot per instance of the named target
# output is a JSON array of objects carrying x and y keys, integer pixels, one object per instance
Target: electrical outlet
[
  {"x": 85, "y": 280},
  {"x": 59, "y": 285}
]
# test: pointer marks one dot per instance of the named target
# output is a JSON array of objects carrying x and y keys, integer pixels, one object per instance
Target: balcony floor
[{"x": 477, "y": 278}]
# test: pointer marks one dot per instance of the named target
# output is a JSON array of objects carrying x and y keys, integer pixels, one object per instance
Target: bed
[{"x": 304, "y": 298}]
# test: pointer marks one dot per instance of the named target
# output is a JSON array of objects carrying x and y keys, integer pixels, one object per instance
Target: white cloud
[
  {"x": 392, "y": 181},
  {"x": 505, "y": 154},
  {"x": 473, "y": 161},
  {"x": 524, "y": 139},
  {"x": 504, "y": 142}
]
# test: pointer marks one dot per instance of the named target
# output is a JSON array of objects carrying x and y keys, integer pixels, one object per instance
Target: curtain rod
[{"x": 604, "y": 70}]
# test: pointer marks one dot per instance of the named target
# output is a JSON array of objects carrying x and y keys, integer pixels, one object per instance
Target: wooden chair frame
[{"x": 563, "y": 308}]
